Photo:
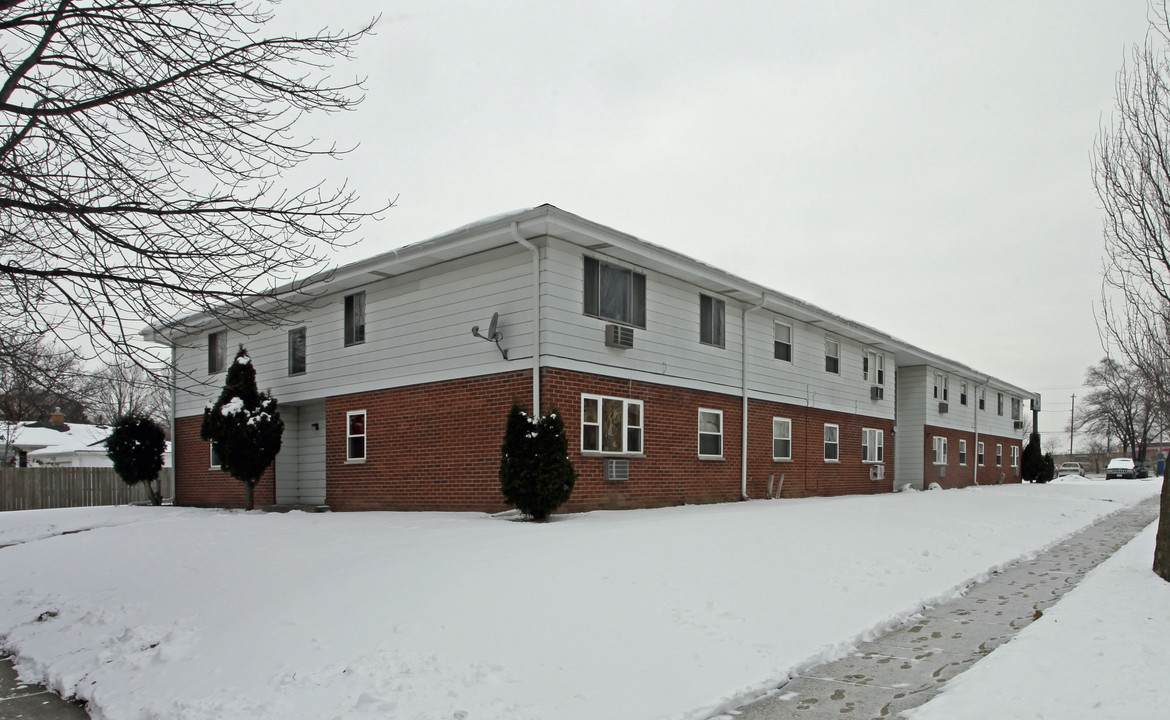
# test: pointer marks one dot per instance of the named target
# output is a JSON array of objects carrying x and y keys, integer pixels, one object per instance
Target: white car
[{"x": 1070, "y": 468}]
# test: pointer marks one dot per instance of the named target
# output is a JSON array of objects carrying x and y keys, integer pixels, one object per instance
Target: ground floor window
[
  {"x": 979, "y": 453},
  {"x": 710, "y": 433},
  {"x": 832, "y": 443},
  {"x": 216, "y": 462},
  {"x": 999, "y": 455},
  {"x": 962, "y": 452},
  {"x": 872, "y": 446},
  {"x": 611, "y": 425},
  {"x": 1015, "y": 455},
  {"x": 355, "y": 436},
  {"x": 781, "y": 439},
  {"x": 940, "y": 451}
]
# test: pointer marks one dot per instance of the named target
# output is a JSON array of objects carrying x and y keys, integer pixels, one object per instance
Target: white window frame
[
  {"x": 832, "y": 355},
  {"x": 1016, "y": 403},
  {"x": 1015, "y": 455},
  {"x": 354, "y": 318},
  {"x": 634, "y": 312},
  {"x": 962, "y": 452},
  {"x": 835, "y": 443},
  {"x": 998, "y": 455},
  {"x": 999, "y": 404},
  {"x": 982, "y": 398},
  {"x": 980, "y": 453},
  {"x": 216, "y": 352},
  {"x": 963, "y": 392},
  {"x": 939, "y": 450},
  {"x": 781, "y": 432},
  {"x": 350, "y": 436},
  {"x": 777, "y": 343},
  {"x": 624, "y": 431},
  {"x": 712, "y": 321},
  {"x": 718, "y": 435},
  {"x": 873, "y": 367},
  {"x": 873, "y": 446},
  {"x": 215, "y": 462}
]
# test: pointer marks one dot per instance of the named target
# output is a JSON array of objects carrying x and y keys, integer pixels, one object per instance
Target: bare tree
[
  {"x": 1132, "y": 178},
  {"x": 37, "y": 377},
  {"x": 1120, "y": 405},
  {"x": 1052, "y": 445},
  {"x": 141, "y": 149},
  {"x": 124, "y": 389}
]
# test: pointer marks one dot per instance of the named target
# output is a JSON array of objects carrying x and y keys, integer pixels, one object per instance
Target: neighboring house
[
  {"x": 677, "y": 382},
  {"x": 54, "y": 442}
]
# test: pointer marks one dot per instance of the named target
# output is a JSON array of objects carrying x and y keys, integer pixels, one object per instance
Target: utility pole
[{"x": 1071, "y": 415}]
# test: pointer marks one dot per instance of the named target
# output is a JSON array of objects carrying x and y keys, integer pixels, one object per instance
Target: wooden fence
[{"x": 42, "y": 488}]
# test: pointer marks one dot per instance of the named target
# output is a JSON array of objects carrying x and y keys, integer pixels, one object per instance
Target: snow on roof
[{"x": 33, "y": 436}]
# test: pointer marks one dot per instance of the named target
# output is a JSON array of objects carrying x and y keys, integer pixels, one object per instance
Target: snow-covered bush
[
  {"x": 244, "y": 425},
  {"x": 536, "y": 474},
  {"x": 136, "y": 445}
]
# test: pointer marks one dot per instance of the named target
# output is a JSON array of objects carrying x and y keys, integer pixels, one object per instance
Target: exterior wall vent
[
  {"x": 942, "y": 471},
  {"x": 943, "y": 408},
  {"x": 619, "y": 336},
  {"x": 617, "y": 470},
  {"x": 877, "y": 392}
]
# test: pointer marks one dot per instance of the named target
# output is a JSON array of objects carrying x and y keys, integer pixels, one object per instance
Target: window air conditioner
[
  {"x": 617, "y": 470},
  {"x": 1018, "y": 425},
  {"x": 877, "y": 472},
  {"x": 877, "y": 392},
  {"x": 619, "y": 336},
  {"x": 943, "y": 408}
]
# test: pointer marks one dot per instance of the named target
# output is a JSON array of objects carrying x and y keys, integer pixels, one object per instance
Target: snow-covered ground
[{"x": 672, "y": 613}]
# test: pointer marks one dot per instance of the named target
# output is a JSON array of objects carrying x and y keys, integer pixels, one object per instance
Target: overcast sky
[{"x": 921, "y": 167}]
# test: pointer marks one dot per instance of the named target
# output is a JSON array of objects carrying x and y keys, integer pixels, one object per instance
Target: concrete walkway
[
  {"x": 905, "y": 668},
  {"x": 32, "y": 702}
]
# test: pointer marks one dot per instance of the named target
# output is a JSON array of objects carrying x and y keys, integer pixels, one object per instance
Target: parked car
[
  {"x": 1142, "y": 472},
  {"x": 1070, "y": 468},
  {"x": 1121, "y": 468}
]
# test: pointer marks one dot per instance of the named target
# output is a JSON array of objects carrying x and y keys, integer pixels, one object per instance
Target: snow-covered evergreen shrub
[
  {"x": 136, "y": 445},
  {"x": 244, "y": 424},
  {"x": 536, "y": 474}
]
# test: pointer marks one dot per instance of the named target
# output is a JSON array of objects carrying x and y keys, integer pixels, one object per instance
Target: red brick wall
[
  {"x": 436, "y": 447},
  {"x": 963, "y": 476},
  {"x": 807, "y": 474},
  {"x": 197, "y": 484}
]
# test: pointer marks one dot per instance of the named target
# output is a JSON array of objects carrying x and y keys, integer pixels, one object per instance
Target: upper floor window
[
  {"x": 355, "y": 318},
  {"x": 942, "y": 387},
  {"x": 872, "y": 446},
  {"x": 781, "y": 439},
  {"x": 873, "y": 367},
  {"x": 982, "y": 399},
  {"x": 710, "y": 433},
  {"x": 611, "y": 425},
  {"x": 832, "y": 443},
  {"x": 999, "y": 403},
  {"x": 1015, "y": 408},
  {"x": 614, "y": 293},
  {"x": 832, "y": 355},
  {"x": 963, "y": 392},
  {"x": 216, "y": 351},
  {"x": 783, "y": 346},
  {"x": 296, "y": 351},
  {"x": 711, "y": 315}
]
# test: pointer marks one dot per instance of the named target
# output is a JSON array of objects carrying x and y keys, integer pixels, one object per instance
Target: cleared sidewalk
[{"x": 906, "y": 667}]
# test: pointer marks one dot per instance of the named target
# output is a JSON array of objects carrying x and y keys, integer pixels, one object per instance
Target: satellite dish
[{"x": 491, "y": 333}]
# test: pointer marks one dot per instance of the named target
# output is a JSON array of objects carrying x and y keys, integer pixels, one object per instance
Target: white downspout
[
  {"x": 743, "y": 459},
  {"x": 535, "y": 316}
]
